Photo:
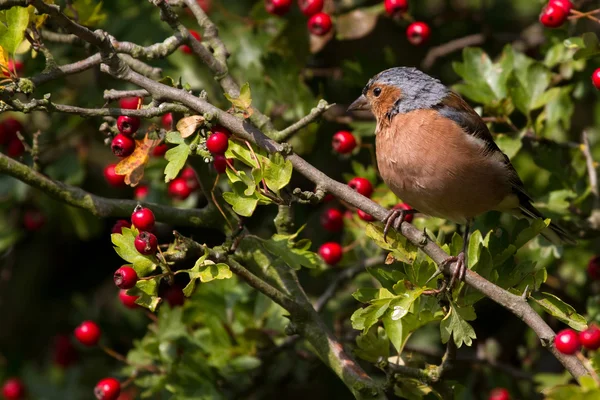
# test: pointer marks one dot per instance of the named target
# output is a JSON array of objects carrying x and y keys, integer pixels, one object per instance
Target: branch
[
  {"x": 314, "y": 114},
  {"x": 591, "y": 168},
  {"x": 112, "y": 94},
  {"x": 450, "y": 47},
  {"x": 103, "y": 207}
]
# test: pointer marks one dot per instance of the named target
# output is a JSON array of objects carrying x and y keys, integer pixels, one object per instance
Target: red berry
[
  {"x": 332, "y": 220},
  {"x": 187, "y": 49},
  {"x": 119, "y": 225},
  {"x": 418, "y": 33},
  {"x": 217, "y": 143},
  {"x": 125, "y": 277},
  {"x": 122, "y": 146},
  {"x": 567, "y": 341},
  {"x": 146, "y": 243},
  {"x": 362, "y": 186},
  {"x": 331, "y": 252},
  {"x": 553, "y": 16},
  {"x": 220, "y": 163},
  {"x": 593, "y": 268},
  {"x": 65, "y": 353},
  {"x": 13, "y": 389},
  {"x": 143, "y": 218},
  {"x": 130, "y": 103},
  {"x": 88, "y": 333},
  {"x": 128, "y": 125},
  {"x": 499, "y": 394},
  {"x": 8, "y": 130},
  {"x": 112, "y": 177},
  {"x": 328, "y": 197},
  {"x": 343, "y": 142},
  {"x": 167, "y": 121},
  {"x": 364, "y": 216},
  {"x": 14, "y": 66},
  {"x": 127, "y": 300},
  {"x": 189, "y": 175},
  {"x": 564, "y": 4},
  {"x": 395, "y": 7},
  {"x": 310, "y": 7},
  {"x": 590, "y": 338},
  {"x": 596, "y": 78},
  {"x": 179, "y": 189},
  {"x": 174, "y": 295},
  {"x": 33, "y": 220},
  {"x": 403, "y": 206},
  {"x": 141, "y": 192},
  {"x": 107, "y": 389},
  {"x": 320, "y": 24},
  {"x": 220, "y": 129},
  {"x": 15, "y": 148},
  {"x": 160, "y": 150},
  {"x": 278, "y": 7}
]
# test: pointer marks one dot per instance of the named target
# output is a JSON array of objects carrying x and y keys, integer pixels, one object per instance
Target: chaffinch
[{"x": 436, "y": 153}]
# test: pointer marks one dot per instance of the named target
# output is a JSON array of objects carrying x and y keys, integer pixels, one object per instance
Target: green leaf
[
  {"x": 401, "y": 248},
  {"x": 534, "y": 229},
  {"x": 365, "y": 318},
  {"x": 205, "y": 271},
  {"x": 13, "y": 23},
  {"x": 241, "y": 203},
  {"x": 589, "y": 46},
  {"x": 89, "y": 12},
  {"x": 145, "y": 300},
  {"x": 404, "y": 300},
  {"x": 561, "y": 310},
  {"x": 373, "y": 345},
  {"x": 244, "y": 100},
  {"x": 365, "y": 295},
  {"x": 170, "y": 324},
  {"x": 510, "y": 145},
  {"x": 177, "y": 157},
  {"x": 148, "y": 286},
  {"x": 241, "y": 153},
  {"x": 125, "y": 248},
  {"x": 527, "y": 86},
  {"x": 284, "y": 247},
  {"x": 277, "y": 172},
  {"x": 455, "y": 324}
]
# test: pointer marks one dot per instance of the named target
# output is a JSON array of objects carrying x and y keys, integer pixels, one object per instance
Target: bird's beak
[{"x": 360, "y": 104}]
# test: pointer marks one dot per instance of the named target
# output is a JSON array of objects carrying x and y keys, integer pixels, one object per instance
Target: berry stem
[
  {"x": 114, "y": 354},
  {"x": 214, "y": 199},
  {"x": 589, "y": 15},
  {"x": 588, "y": 365},
  {"x": 165, "y": 266}
]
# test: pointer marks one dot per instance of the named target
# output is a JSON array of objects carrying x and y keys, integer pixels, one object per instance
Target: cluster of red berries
[
  {"x": 8, "y": 137},
  {"x": 182, "y": 187},
  {"x": 417, "y": 32},
  {"x": 123, "y": 144},
  {"x": 217, "y": 143},
  {"x": 145, "y": 242},
  {"x": 319, "y": 23},
  {"x": 568, "y": 341},
  {"x": 555, "y": 13}
]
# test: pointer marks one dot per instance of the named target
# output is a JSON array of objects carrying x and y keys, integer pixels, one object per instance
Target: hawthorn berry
[
  {"x": 331, "y": 252},
  {"x": 310, "y": 7},
  {"x": 220, "y": 129},
  {"x": 278, "y": 7},
  {"x": 361, "y": 185},
  {"x": 564, "y": 4},
  {"x": 128, "y": 125},
  {"x": 122, "y": 146},
  {"x": 167, "y": 121},
  {"x": 107, "y": 389},
  {"x": 220, "y": 163},
  {"x": 33, "y": 220},
  {"x": 332, "y": 220},
  {"x": 418, "y": 33},
  {"x": 174, "y": 295},
  {"x": 130, "y": 103},
  {"x": 395, "y": 7},
  {"x": 141, "y": 192},
  {"x": 127, "y": 300},
  {"x": 125, "y": 277},
  {"x": 499, "y": 394},
  {"x": 13, "y": 389},
  {"x": 189, "y": 175},
  {"x": 596, "y": 78},
  {"x": 15, "y": 66},
  {"x": 88, "y": 333},
  {"x": 403, "y": 206},
  {"x": 217, "y": 143},
  {"x": 187, "y": 49},
  {"x": 553, "y": 15},
  {"x": 65, "y": 353},
  {"x": 320, "y": 24},
  {"x": 112, "y": 177},
  {"x": 343, "y": 142},
  {"x": 146, "y": 243},
  {"x": 160, "y": 150},
  {"x": 567, "y": 341},
  {"x": 590, "y": 338},
  {"x": 179, "y": 188},
  {"x": 593, "y": 268},
  {"x": 143, "y": 218},
  {"x": 15, "y": 148},
  {"x": 119, "y": 225},
  {"x": 364, "y": 216}
]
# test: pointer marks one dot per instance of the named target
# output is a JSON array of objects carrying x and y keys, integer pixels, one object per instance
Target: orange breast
[{"x": 430, "y": 163}]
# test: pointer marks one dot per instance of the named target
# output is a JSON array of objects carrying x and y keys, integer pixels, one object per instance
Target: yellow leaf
[
  {"x": 3, "y": 60},
  {"x": 133, "y": 166},
  {"x": 188, "y": 125}
]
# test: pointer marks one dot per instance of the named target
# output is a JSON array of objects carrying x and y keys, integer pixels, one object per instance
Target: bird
[{"x": 437, "y": 154}]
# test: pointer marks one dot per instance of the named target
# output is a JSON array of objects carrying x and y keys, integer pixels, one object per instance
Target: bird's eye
[{"x": 377, "y": 91}]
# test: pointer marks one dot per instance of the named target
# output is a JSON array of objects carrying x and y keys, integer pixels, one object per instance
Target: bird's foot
[
  {"x": 457, "y": 276},
  {"x": 394, "y": 219}
]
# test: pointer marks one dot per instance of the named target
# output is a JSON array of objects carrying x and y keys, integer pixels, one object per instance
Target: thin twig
[
  {"x": 315, "y": 113},
  {"x": 591, "y": 168},
  {"x": 450, "y": 47}
]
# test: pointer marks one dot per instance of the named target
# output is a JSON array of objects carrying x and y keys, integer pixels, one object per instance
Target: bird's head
[{"x": 399, "y": 90}]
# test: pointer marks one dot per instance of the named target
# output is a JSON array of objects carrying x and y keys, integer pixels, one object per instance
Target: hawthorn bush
[{"x": 243, "y": 205}]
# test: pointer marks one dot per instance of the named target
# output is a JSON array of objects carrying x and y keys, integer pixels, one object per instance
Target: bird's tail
[{"x": 554, "y": 233}]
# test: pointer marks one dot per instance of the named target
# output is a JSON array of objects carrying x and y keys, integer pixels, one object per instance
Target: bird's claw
[
  {"x": 457, "y": 275},
  {"x": 394, "y": 219}
]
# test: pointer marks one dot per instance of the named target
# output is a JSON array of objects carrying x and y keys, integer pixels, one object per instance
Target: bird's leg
[{"x": 394, "y": 219}]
